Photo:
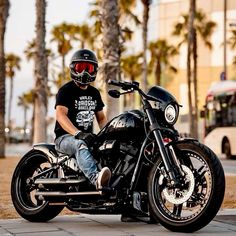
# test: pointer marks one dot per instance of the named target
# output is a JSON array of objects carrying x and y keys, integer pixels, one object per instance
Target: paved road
[
  {"x": 110, "y": 225},
  {"x": 229, "y": 166}
]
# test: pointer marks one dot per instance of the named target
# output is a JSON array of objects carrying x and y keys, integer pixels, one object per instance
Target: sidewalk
[{"x": 110, "y": 225}]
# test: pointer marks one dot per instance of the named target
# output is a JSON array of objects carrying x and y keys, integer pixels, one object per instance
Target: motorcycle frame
[{"x": 172, "y": 167}]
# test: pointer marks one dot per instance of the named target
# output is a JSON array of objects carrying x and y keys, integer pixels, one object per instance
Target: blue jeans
[{"x": 71, "y": 146}]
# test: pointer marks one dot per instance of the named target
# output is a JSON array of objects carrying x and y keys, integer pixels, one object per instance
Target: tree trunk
[
  {"x": 158, "y": 72},
  {"x": 25, "y": 122},
  {"x": 63, "y": 70},
  {"x": 111, "y": 50},
  {"x": 82, "y": 44},
  {"x": 195, "y": 85},
  {"x": 146, "y": 4},
  {"x": 189, "y": 71},
  {"x": 9, "y": 124},
  {"x": 40, "y": 102},
  {"x": 4, "y": 10}
]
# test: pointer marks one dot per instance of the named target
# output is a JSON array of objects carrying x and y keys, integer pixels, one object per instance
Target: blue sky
[{"x": 21, "y": 30}]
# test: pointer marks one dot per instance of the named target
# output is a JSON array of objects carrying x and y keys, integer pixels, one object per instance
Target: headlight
[{"x": 171, "y": 114}]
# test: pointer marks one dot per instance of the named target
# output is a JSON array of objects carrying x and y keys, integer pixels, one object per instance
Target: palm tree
[
  {"x": 126, "y": 7},
  {"x": 86, "y": 36},
  {"x": 30, "y": 53},
  {"x": 232, "y": 42},
  {"x": 193, "y": 24},
  {"x": 62, "y": 35},
  {"x": 12, "y": 64},
  {"x": 4, "y": 11},
  {"x": 146, "y": 6},
  {"x": 161, "y": 52},
  {"x": 111, "y": 49},
  {"x": 25, "y": 100},
  {"x": 204, "y": 28},
  {"x": 30, "y": 50},
  {"x": 126, "y": 16},
  {"x": 40, "y": 89},
  {"x": 190, "y": 40},
  {"x": 59, "y": 80},
  {"x": 96, "y": 14},
  {"x": 131, "y": 66}
]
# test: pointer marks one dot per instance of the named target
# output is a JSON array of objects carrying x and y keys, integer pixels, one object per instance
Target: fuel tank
[{"x": 126, "y": 126}]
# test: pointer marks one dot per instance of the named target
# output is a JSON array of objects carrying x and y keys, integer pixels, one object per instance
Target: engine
[{"x": 120, "y": 157}]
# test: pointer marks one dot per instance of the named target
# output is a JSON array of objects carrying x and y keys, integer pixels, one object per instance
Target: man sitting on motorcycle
[{"x": 77, "y": 103}]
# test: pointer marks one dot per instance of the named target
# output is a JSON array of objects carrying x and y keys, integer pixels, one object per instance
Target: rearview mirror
[{"x": 114, "y": 93}]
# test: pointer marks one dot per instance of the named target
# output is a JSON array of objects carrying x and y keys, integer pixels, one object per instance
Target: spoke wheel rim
[
  {"x": 25, "y": 190},
  {"x": 186, "y": 211}
]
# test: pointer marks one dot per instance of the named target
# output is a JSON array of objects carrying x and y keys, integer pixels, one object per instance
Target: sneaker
[{"x": 103, "y": 178}]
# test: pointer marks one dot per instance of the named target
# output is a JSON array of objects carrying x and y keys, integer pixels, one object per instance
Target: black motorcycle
[{"x": 176, "y": 181}]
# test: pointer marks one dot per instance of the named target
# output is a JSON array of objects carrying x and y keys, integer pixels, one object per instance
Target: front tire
[
  {"x": 193, "y": 206},
  {"x": 23, "y": 190}
]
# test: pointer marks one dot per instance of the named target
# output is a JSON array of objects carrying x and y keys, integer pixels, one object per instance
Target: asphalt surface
[{"x": 104, "y": 225}]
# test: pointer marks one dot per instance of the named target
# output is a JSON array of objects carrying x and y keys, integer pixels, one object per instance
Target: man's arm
[
  {"x": 101, "y": 118},
  {"x": 64, "y": 121}
]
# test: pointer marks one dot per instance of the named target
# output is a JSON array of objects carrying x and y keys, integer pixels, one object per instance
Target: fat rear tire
[{"x": 27, "y": 207}]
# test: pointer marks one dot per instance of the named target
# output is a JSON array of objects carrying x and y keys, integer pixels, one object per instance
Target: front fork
[{"x": 171, "y": 163}]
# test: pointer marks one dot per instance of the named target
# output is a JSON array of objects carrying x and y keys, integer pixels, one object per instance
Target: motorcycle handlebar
[
  {"x": 129, "y": 85},
  {"x": 123, "y": 84},
  {"x": 114, "y": 82}
]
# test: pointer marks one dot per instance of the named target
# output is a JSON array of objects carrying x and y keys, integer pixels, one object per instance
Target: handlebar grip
[
  {"x": 124, "y": 85},
  {"x": 113, "y": 82}
]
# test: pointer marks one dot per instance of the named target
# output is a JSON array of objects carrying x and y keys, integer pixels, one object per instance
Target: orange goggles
[{"x": 79, "y": 67}]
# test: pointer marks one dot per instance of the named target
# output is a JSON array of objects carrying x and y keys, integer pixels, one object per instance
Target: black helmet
[{"x": 83, "y": 66}]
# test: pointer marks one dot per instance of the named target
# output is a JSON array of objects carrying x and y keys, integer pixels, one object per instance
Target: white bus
[{"x": 220, "y": 118}]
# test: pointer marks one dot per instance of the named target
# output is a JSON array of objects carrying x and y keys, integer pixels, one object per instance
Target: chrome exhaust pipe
[
  {"x": 58, "y": 181},
  {"x": 41, "y": 195}
]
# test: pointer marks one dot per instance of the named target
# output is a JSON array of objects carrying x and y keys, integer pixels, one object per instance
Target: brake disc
[{"x": 179, "y": 196}]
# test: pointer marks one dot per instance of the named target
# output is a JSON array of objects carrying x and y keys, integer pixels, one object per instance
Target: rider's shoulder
[{"x": 68, "y": 85}]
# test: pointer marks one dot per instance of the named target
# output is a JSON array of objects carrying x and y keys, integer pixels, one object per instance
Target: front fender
[
  {"x": 181, "y": 140},
  {"x": 48, "y": 149}
]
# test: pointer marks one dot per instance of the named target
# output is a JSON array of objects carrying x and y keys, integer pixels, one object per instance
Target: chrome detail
[
  {"x": 177, "y": 196},
  {"x": 64, "y": 194},
  {"x": 170, "y": 114},
  {"x": 57, "y": 181}
]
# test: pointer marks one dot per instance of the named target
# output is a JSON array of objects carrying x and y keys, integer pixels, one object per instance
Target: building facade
[{"x": 165, "y": 14}]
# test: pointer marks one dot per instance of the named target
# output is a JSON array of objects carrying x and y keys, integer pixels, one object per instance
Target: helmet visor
[{"x": 79, "y": 67}]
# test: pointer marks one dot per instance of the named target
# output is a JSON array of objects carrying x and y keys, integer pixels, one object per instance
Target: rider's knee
[{"x": 81, "y": 145}]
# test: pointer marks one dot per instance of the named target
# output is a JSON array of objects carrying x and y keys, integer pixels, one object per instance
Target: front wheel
[
  {"x": 23, "y": 190},
  {"x": 193, "y": 205}
]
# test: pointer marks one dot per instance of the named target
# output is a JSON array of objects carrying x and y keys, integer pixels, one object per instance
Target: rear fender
[{"x": 48, "y": 149}]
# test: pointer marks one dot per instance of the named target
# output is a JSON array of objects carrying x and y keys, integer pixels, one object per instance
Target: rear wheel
[
  {"x": 23, "y": 190},
  {"x": 193, "y": 205}
]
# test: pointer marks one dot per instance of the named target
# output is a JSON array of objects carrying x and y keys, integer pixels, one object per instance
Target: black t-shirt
[{"x": 81, "y": 104}]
